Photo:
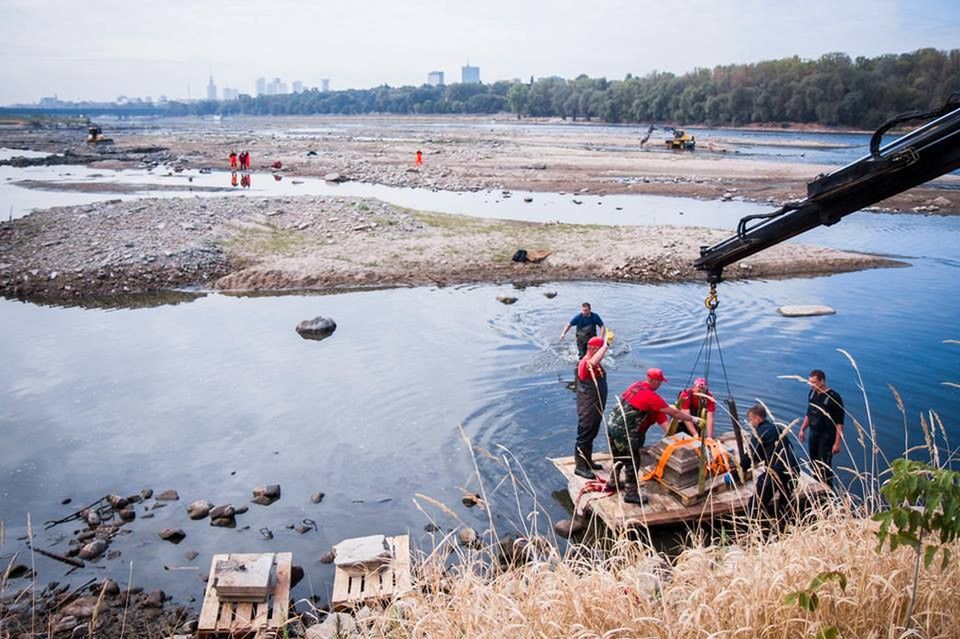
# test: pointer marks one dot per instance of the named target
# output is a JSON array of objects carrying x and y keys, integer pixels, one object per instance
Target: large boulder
[
  {"x": 266, "y": 495},
  {"x": 318, "y": 328},
  {"x": 199, "y": 509},
  {"x": 805, "y": 310}
]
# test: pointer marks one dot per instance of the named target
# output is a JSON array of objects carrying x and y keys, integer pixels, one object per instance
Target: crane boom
[{"x": 919, "y": 156}]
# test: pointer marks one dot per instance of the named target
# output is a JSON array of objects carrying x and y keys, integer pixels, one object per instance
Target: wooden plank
[
  {"x": 226, "y": 615},
  {"x": 261, "y": 612},
  {"x": 210, "y": 610},
  {"x": 243, "y": 616},
  {"x": 281, "y": 595}
]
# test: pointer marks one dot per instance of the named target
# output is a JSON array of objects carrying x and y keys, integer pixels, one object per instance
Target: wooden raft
[
  {"x": 667, "y": 505},
  {"x": 353, "y": 586},
  {"x": 262, "y": 619}
]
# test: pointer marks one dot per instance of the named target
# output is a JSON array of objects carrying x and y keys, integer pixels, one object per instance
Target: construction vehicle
[
  {"x": 95, "y": 136},
  {"x": 919, "y": 156},
  {"x": 681, "y": 141}
]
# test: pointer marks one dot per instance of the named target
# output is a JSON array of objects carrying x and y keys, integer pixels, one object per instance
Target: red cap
[
  {"x": 656, "y": 374},
  {"x": 596, "y": 342}
]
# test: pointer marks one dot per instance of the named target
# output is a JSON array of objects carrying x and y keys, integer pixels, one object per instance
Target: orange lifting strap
[{"x": 718, "y": 462}]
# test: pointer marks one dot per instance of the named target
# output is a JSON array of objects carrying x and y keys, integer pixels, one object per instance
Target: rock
[
  {"x": 318, "y": 328},
  {"x": 566, "y": 528},
  {"x": 188, "y": 226},
  {"x": 223, "y": 522},
  {"x": 506, "y": 299},
  {"x": 550, "y": 294},
  {"x": 16, "y": 572},
  {"x": 173, "y": 535},
  {"x": 296, "y": 575},
  {"x": 334, "y": 177},
  {"x": 117, "y": 502},
  {"x": 109, "y": 587},
  {"x": 191, "y": 555},
  {"x": 128, "y": 514},
  {"x": 337, "y": 625},
  {"x": 431, "y": 528},
  {"x": 167, "y": 495},
  {"x": 471, "y": 500},
  {"x": 219, "y": 512},
  {"x": 467, "y": 536},
  {"x": 146, "y": 493},
  {"x": 809, "y": 310},
  {"x": 199, "y": 509},
  {"x": 328, "y": 558},
  {"x": 81, "y": 608},
  {"x": 93, "y": 519},
  {"x": 316, "y": 498},
  {"x": 65, "y": 625},
  {"x": 266, "y": 495},
  {"x": 940, "y": 202},
  {"x": 528, "y": 199},
  {"x": 154, "y": 599},
  {"x": 94, "y": 549}
]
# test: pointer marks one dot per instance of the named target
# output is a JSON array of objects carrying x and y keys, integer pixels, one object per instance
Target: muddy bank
[
  {"x": 472, "y": 153},
  {"x": 273, "y": 244}
]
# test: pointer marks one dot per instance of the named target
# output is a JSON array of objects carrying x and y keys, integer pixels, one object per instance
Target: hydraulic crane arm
[{"x": 919, "y": 156}]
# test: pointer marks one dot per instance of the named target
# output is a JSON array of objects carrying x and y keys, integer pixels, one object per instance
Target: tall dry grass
[{"x": 735, "y": 584}]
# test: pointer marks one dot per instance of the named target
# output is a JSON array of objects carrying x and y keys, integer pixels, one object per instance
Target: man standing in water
[
  {"x": 591, "y": 402},
  {"x": 639, "y": 408},
  {"x": 825, "y": 420},
  {"x": 587, "y": 323}
]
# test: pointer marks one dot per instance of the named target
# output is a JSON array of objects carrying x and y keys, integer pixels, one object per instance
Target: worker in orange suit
[{"x": 419, "y": 161}]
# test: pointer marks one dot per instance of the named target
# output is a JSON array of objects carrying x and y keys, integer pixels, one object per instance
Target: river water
[{"x": 213, "y": 394}]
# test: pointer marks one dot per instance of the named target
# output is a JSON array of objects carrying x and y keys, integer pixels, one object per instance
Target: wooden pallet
[
  {"x": 664, "y": 507},
  {"x": 353, "y": 587},
  {"x": 262, "y": 619}
]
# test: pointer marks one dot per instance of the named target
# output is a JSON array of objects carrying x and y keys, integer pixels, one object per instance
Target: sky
[{"x": 101, "y": 49}]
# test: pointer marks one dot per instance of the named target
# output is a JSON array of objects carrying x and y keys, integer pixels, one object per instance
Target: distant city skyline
[{"x": 135, "y": 52}]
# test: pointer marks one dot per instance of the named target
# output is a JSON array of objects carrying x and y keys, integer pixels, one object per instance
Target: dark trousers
[
  {"x": 821, "y": 453},
  {"x": 764, "y": 502},
  {"x": 591, "y": 401}
]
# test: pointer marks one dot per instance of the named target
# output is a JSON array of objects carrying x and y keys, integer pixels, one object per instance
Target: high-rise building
[
  {"x": 325, "y": 85},
  {"x": 211, "y": 90},
  {"x": 470, "y": 75},
  {"x": 261, "y": 86},
  {"x": 435, "y": 78},
  {"x": 297, "y": 86},
  {"x": 230, "y": 94}
]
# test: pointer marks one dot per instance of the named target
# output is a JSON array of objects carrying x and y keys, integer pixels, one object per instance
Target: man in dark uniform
[
  {"x": 587, "y": 323},
  {"x": 639, "y": 408},
  {"x": 825, "y": 420},
  {"x": 769, "y": 447}
]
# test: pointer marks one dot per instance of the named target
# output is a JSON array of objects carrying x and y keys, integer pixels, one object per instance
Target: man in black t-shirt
[{"x": 825, "y": 420}]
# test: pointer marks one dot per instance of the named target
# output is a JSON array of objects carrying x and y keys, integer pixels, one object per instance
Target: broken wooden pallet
[
  {"x": 264, "y": 619},
  {"x": 353, "y": 586}
]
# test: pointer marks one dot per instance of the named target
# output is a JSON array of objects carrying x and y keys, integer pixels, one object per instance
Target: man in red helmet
[
  {"x": 639, "y": 408},
  {"x": 699, "y": 402}
]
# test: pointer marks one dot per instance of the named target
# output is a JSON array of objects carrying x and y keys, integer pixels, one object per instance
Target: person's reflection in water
[{"x": 233, "y": 179}]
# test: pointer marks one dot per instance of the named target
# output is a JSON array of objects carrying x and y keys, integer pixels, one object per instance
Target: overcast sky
[{"x": 100, "y": 49}]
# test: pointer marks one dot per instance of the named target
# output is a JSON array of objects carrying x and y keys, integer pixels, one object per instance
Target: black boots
[
  {"x": 630, "y": 493},
  {"x": 584, "y": 467},
  {"x": 594, "y": 465}
]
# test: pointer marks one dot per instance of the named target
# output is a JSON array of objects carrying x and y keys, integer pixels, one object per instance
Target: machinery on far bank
[
  {"x": 95, "y": 136},
  {"x": 681, "y": 141}
]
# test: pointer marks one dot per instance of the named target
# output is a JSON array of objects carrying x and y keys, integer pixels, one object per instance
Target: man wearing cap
[
  {"x": 591, "y": 402},
  {"x": 587, "y": 323},
  {"x": 638, "y": 409},
  {"x": 699, "y": 402}
]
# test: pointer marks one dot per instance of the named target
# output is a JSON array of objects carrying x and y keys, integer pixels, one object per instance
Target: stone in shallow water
[{"x": 805, "y": 310}]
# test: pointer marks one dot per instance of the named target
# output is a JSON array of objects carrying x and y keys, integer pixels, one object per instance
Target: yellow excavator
[
  {"x": 95, "y": 136},
  {"x": 681, "y": 140}
]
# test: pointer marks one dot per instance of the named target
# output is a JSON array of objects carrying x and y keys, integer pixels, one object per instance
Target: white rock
[{"x": 808, "y": 310}]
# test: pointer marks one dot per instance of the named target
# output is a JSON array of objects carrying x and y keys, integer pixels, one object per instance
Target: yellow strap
[{"x": 719, "y": 462}]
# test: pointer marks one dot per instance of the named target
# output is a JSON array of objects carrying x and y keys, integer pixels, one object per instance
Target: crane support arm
[{"x": 919, "y": 156}]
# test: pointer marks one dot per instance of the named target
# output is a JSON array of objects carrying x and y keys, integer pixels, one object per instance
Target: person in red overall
[
  {"x": 691, "y": 401},
  {"x": 419, "y": 160},
  {"x": 591, "y": 402},
  {"x": 246, "y": 160},
  {"x": 233, "y": 160}
]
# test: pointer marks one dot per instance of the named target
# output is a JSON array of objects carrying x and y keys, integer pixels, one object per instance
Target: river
[{"x": 212, "y": 394}]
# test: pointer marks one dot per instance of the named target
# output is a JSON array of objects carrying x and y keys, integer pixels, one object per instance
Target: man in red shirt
[
  {"x": 692, "y": 400},
  {"x": 591, "y": 402},
  {"x": 639, "y": 408}
]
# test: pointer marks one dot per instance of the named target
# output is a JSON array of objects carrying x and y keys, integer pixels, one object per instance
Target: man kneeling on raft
[{"x": 638, "y": 409}]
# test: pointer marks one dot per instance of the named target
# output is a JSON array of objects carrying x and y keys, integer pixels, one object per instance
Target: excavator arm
[{"x": 921, "y": 155}]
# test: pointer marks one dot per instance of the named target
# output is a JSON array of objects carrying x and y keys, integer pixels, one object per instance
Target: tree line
[{"x": 833, "y": 90}]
